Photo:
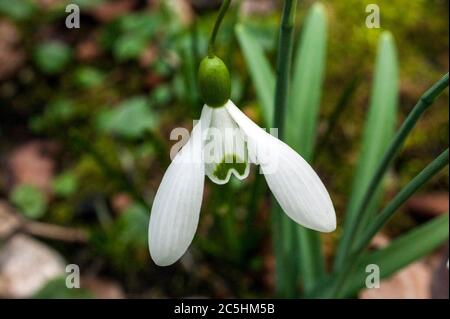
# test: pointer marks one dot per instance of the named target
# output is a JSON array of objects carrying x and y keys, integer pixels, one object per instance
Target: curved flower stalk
[{"x": 176, "y": 207}]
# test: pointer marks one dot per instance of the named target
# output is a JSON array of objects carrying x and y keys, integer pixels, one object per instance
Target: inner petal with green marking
[
  {"x": 225, "y": 151},
  {"x": 229, "y": 163}
]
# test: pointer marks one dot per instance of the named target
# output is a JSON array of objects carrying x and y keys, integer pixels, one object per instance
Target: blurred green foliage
[
  {"x": 19, "y": 10},
  {"x": 65, "y": 184},
  {"x": 52, "y": 57},
  {"x": 129, "y": 119},
  {"x": 29, "y": 200},
  {"x": 57, "y": 289}
]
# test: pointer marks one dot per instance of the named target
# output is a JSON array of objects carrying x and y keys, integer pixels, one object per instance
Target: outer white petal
[
  {"x": 299, "y": 191},
  {"x": 176, "y": 206}
]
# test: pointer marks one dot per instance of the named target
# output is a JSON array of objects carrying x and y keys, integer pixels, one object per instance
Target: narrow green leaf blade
[
  {"x": 260, "y": 71},
  {"x": 311, "y": 259},
  {"x": 381, "y": 119},
  {"x": 401, "y": 252},
  {"x": 378, "y": 132},
  {"x": 304, "y": 101}
]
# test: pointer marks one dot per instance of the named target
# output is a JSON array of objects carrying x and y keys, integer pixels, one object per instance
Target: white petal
[
  {"x": 225, "y": 149},
  {"x": 176, "y": 207},
  {"x": 299, "y": 191}
]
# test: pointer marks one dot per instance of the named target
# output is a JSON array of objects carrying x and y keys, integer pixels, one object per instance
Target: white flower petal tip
[
  {"x": 176, "y": 206},
  {"x": 297, "y": 188},
  {"x": 175, "y": 212}
]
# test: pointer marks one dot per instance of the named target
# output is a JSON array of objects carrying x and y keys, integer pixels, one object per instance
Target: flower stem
[
  {"x": 284, "y": 63},
  {"x": 223, "y": 10},
  {"x": 422, "y": 105},
  {"x": 284, "y": 239}
]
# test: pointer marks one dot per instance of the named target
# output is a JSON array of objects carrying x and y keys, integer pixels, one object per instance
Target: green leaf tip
[
  {"x": 386, "y": 36},
  {"x": 318, "y": 8}
]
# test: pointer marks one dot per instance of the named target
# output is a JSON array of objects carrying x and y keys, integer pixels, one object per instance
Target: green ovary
[{"x": 229, "y": 162}]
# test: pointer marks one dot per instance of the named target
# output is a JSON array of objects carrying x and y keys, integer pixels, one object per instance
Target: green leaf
[
  {"x": 57, "y": 289},
  {"x": 87, "y": 4},
  {"x": 380, "y": 124},
  {"x": 301, "y": 123},
  {"x": 65, "y": 184},
  {"x": 52, "y": 57},
  {"x": 260, "y": 70},
  {"x": 162, "y": 68},
  {"x": 186, "y": 81},
  {"x": 127, "y": 239},
  {"x": 304, "y": 102},
  {"x": 378, "y": 132},
  {"x": 29, "y": 200},
  {"x": 130, "y": 119},
  {"x": 144, "y": 24},
  {"x": 17, "y": 10},
  {"x": 264, "y": 32},
  {"x": 56, "y": 113},
  {"x": 129, "y": 46},
  {"x": 132, "y": 226},
  {"x": 161, "y": 95},
  {"x": 88, "y": 77},
  {"x": 60, "y": 110},
  {"x": 132, "y": 34},
  {"x": 401, "y": 252}
]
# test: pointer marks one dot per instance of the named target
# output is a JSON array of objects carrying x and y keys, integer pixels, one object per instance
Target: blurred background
[{"x": 85, "y": 119}]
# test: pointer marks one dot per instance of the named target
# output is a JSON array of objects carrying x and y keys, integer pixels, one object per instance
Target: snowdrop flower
[{"x": 176, "y": 207}]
